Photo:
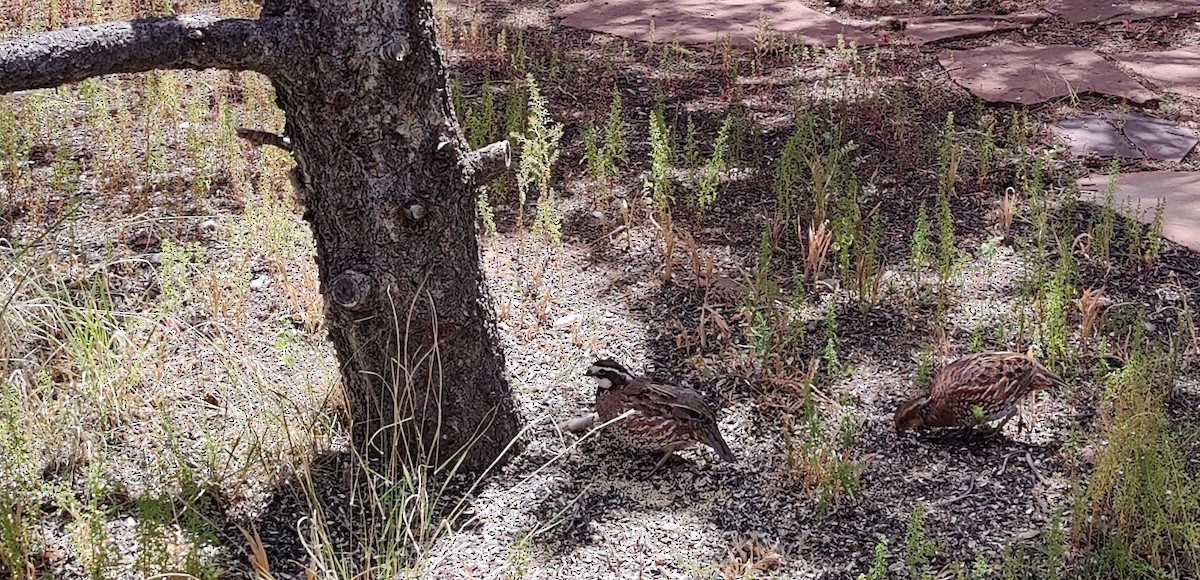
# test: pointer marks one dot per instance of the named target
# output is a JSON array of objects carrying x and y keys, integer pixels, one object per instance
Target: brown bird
[
  {"x": 995, "y": 382},
  {"x": 662, "y": 418}
]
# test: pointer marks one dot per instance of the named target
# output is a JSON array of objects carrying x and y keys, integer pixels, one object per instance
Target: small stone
[
  {"x": 208, "y": 225},
  {"x": 598, "y": 214},
  {"x": 260, "y": 282},
  {"x": 567, "y": 321},
  {"x": 1087, "y": 454}
]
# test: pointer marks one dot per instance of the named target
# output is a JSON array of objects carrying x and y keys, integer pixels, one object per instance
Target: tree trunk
[
  {"x": 387, "y": 182},
  {"x": 378, "y": 148}
]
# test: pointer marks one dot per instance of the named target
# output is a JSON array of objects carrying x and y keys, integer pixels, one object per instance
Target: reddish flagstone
[
  {"x": 1081, "y": 11},
  {"x": 934, "y": 28},
  {"x": 1176, "y": 71},
  {"x": 1093, "y": 135},
  {"x": 1133, "y": 136},
  {"x": 1036, "y": 74},
  {"x": 1181, "y": 217},
  {"x": 707, "y": 21}
]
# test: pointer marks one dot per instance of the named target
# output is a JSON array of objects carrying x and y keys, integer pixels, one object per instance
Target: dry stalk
[
  {"x": 258, "y": 555},
  {"x": 816, "y": 249},
  {"x": 1008, "y": 209},
  {"x": 668, "y": 233},
  {"x": 693, "y": 252},
  {"x": 1091, "y": 304},
  {"x": 627, "y": 217}
]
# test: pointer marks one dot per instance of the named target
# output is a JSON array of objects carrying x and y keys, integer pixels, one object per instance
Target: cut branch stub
[
  {"x": 486, "y": 163},
  {"x": 265, "y": 138},
  {"x": 350, "y": 289}
]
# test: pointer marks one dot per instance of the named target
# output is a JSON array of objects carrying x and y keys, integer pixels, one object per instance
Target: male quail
[{"x": 664, "y": 418}]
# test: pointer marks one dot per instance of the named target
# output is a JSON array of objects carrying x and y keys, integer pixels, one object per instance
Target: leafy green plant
[
  {"x": 812, "y": 166},
  {"x": 1154, "y": 234},
  {"x": 868, "y": 265},
  {"x": 657, "y": 184},
  {"x": 707, "y": 178},
  {"x": 917, "y": 547},
  {"x": 1102, "y": 233},
  {"x": 879, "y": 568},
  {"x": 923, "y": 374},
  {"x": 484, "y": 207},
  {"x": 1140, "y": 511},
  {"x": 948, "y": 171},
  {"x": 539, "y": 152},
  {"x": 833, "y": 363},
  {"x": 154, "y": 514},
  {"x": 615, "y": 148},
  {"x": 1059, "y": 300},
  {"x": 920, "y": 245},
  {"x": 1054, "y": 547}
]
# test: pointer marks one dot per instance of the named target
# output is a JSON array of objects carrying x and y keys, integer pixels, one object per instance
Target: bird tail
[{"x": 712, "y": 437}]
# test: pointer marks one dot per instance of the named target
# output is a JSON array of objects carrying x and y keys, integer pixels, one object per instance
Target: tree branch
[
  {"x": 486, "y": 163},
  {"x": 264, "y": 138},
  {"x": 194, "y": 41}
]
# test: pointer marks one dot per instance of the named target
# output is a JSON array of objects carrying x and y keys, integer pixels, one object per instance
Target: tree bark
[{"x": 385, "y": 176}]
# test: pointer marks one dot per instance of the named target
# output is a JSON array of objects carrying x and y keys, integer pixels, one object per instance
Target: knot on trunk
[
  {"x": 396, "y": 50},
  {"x": 414, "y": 211},
  {"x": 350, "y": 289}
]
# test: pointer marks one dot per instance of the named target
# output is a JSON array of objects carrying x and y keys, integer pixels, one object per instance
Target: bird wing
[
  {"x": 979, "y": 373},
  {"x": 679, "y": 403}
]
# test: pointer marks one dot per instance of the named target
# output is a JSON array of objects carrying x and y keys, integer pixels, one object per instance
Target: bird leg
[
  {"x": 1000, "y": 427},
  {"x": 667, "y": 455}
]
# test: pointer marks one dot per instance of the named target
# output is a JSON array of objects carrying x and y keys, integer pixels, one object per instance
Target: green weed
[
  {"x": 1141, "y": 508},
  {"x": 917, "y": 547},
  {"x": 539, "y": 152},
  {"x": 657, "y": 185}
]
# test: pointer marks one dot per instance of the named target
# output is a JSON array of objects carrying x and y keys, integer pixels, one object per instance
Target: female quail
[{"x": 992, "y": 381}]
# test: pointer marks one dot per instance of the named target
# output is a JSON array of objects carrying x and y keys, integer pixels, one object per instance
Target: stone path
[
  {"x": 1003, "y": 72},
  {"x": 708, "y": 21},
  {"x": 1132, "y": 135},
  {"x": 1106, "y": 11},
  {"x": 1176, "y": 71},
  {"x": 1029, "y": 75},
  {"x": 925, "y": 29},
  {"x": 1142, "y": 192}
]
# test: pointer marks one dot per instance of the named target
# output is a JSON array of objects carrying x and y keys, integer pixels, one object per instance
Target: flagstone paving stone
[
  {"x": 1133, "y": 135},
  {"x": 1174, "y": 71},
  {"x": 697, "y": 22},
  {"x": 1091, "y": 11},
  {"x": 925, "y": 29},
  {"x": 1181, "y": 190},
  {"x": 1036, "y": 74}
]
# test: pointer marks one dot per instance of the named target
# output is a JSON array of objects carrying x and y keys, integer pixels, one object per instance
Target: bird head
[
  {"x": 911, "y": 414},
  {"x": 608, "y": 374}
]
